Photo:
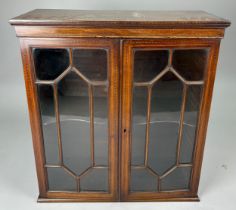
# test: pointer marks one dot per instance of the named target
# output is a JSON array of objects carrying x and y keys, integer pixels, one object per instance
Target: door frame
[
  {"x": 112, "y": 48},
  {"x": 128, "y": 47}
]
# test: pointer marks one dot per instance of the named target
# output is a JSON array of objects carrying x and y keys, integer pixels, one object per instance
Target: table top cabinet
[{"x": 119, "y": 101}]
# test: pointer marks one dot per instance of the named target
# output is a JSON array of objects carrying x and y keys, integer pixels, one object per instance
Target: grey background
[{"x": 18, "y": 184}]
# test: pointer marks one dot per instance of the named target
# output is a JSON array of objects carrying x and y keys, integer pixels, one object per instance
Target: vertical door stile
[{"x": 91, "y": 111}]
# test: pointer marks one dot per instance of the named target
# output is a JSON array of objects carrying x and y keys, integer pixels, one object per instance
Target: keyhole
[{"x": 124, "y": 130}]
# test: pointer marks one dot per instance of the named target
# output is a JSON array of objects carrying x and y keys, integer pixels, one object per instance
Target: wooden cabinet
[{"x": 119, "y": 101}]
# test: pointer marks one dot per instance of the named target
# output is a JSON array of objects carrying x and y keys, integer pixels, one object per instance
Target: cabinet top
[{"x": 121, "y": 19}]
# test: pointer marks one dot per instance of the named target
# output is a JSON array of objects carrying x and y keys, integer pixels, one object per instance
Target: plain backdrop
[{"x": 18, "y": 183}]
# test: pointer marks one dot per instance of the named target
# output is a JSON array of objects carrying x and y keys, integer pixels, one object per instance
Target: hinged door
[
  {"x": 167, "y": 86},
  {"x": 72, "y": 87}
]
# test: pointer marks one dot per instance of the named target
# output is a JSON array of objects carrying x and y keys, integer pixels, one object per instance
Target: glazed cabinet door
[
  {"x": 165, "y": 101},
  {"x": 73, "y": 84}
]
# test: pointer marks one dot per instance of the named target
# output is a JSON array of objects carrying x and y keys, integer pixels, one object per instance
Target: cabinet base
[{"x": 174, "y": 199}]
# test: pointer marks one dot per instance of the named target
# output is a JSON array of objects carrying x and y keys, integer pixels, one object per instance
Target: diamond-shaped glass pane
[
  {"x": 73, "y": 103},
  {"x": 166, "y": 103}
]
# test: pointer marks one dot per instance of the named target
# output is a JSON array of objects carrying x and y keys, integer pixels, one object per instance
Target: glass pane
[
  {"x": 50, "y": 63},
  {"x": 95, "y": 180},
  {"x": 46, "y": 100},
  {"x": 177, "y": 179},
  {"x": 148, "y": 64},
  {"x": 60, "y": 180},
  {"x": 73, "y": 103},
  {"x": 166, "y": 103},
  {"x": 139, "y": 125},
  {"x": 190, "y": 63},
  {"x": 84, "y": 145},
  {"x": 142, "y": 180},
  {"x": 190, "y": 122},
  {"x": 154, "y": 151},
  {"x": 91, "y": 62},
  {"x": 100, "y": 125}
]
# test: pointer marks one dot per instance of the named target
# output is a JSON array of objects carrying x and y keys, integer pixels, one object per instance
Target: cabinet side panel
[
  {"x": 204, "y": 115},
  {"x": 34, "y": 118},
  {"x": 125, "y": 120}
]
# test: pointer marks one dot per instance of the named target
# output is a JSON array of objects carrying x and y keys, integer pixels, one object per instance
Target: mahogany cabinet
[{"x": 119, "y": 101}]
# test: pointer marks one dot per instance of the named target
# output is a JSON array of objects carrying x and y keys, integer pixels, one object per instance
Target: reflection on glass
[
  {"x": 46, "y": 100},
  {"x": 50, "y": 63},
  {"x": 190, "y": 122},
  {"x": 190, "y": 64},
  {"x": 91, "y": 62},
  {"x": 178, "y": 179},
  {"x": 148, "y": 64},
  {"x": 166, "y": 103}
]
